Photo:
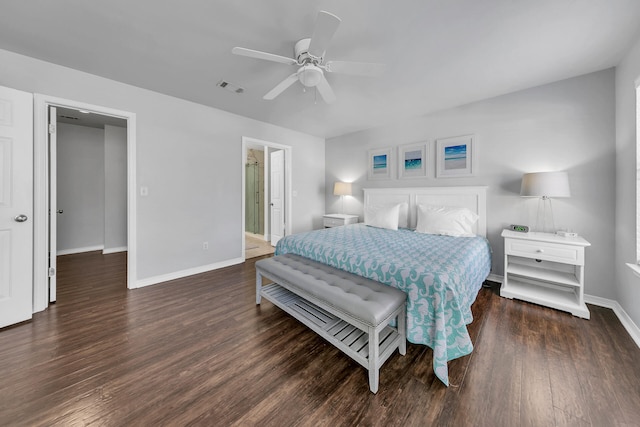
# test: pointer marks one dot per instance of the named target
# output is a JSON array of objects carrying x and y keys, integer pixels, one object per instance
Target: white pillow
[
  {"x": 445, "y": 220},
  {"x": 382, "y": 216},
  {"x": 403, "y": 212},
  {"x": 403, "y": 215}
]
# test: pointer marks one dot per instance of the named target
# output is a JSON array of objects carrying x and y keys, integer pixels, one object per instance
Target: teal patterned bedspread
[{"x": 440, "y": 274}]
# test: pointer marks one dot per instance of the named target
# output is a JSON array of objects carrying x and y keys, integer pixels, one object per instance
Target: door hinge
[
  {"x": 52, "y": 128},
  {"x": 52, "y": 271}
]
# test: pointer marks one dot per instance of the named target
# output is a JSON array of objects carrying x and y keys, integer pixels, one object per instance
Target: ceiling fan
[{"x": 309, "y": 58}]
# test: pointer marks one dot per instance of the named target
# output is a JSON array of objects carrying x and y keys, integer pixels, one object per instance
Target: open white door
[
  {"x": 16, "y": 206},
  {"x": 53, "y": 202},
  {"x": 276, "y": 186}
]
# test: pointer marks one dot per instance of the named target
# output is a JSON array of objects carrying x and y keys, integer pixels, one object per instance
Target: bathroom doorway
[
  {"x": 266, "y": 212},
  {"x": 254, "y": 192},
  {"x": 255, "y": 202}
]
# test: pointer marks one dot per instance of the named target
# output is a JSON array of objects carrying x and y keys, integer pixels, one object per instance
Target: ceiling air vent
[{"x": 230, "y": 86}]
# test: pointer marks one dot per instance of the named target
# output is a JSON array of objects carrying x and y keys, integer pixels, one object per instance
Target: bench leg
[
  {"x": 402, "y": 330},
  {"x": 258, "y": 287},
  {"x": 374, "y": 353}
]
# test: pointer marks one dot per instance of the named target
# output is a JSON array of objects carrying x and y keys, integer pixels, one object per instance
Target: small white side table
[
  {"x": 337, "y": 220},
  {"x": 545, "y": 269}
]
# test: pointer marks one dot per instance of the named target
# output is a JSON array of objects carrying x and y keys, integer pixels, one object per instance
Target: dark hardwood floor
[{"x": 198, "y": 351}]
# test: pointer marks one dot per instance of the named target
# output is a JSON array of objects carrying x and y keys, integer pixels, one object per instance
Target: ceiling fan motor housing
[
  {"x": 309, "y": 74},
  {"x": 301, "y": 53}
]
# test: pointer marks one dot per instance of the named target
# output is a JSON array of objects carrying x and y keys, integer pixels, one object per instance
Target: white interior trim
[
  {"x": 188, "y": 272},
  {"x": 106, "y": 251},
  {"x": 80, "y": 250},
  {"x": 623, "y": 316},
  {"x": 288, "y": 182},
  {"x": 495, "y": 278},
  {"x": 635, "y": 268},
  {"x": 41, "y": 191},
  {"x": 632, "y": 329}
]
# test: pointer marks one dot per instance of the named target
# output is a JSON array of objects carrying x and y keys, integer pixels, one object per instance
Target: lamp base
[{"x": 544, "y": 218}]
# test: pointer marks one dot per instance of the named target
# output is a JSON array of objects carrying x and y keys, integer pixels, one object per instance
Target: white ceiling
[
  {"x": 440, "y": 53},
  {"x": 76, "y": 117}
]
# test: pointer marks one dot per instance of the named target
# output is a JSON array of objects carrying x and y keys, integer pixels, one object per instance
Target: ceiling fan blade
[
  {"x": 281, "y": 87},
  {"x": 263, "y": 55},
  {"x": 368, "y": 69},
  {"x": 326, "y": 26},
  {"x": 325, "y": 91}
]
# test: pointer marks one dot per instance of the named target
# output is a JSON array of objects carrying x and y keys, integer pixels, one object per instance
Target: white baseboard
[
  {"x": 632, "y": 329},
  {"x": 106, "y": 251},
  {"x": 79, "y": 250},
  {"x": 184, "y": 273},
  {"x": 626, "y": 321},
  {"x": 494, "y": 278}
]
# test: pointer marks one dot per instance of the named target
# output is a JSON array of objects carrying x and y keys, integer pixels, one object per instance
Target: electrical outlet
[{"x": 205, "y": 246}]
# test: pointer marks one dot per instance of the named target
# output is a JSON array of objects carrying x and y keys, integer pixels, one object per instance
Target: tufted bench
[{"x": 349, "y": 311}]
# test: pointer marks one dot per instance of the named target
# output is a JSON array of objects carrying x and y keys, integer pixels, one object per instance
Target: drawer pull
[{"x": 540, "y": 251}]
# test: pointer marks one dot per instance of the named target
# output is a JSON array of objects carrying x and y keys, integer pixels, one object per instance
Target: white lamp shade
[
  {"x": 342, "y": 188},
  {"x": 545, "y": 184}
]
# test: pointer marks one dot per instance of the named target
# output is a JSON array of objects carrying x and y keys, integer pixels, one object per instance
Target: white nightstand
[
  {"x": 336, "y": 220},
  {"x": 545, "y": 269}
]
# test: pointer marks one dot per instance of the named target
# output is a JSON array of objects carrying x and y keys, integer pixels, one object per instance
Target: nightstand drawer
[
  {"x": 337, "y": 220},
  {"x": 333, "y": 222},
  {"x": 545, "y": 251}
]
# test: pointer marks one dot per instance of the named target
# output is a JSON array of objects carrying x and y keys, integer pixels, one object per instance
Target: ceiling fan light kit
[
  {"x": 309, "y": 57},
  {"x": 310, "y": 75}
]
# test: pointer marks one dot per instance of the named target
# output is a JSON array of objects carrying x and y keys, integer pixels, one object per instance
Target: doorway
[
  {"x": 45, "y": 194},
  {"x": 90, "y": 192},
  {"x": 265, "y": 217},
  {"x": 254, "y": 192},
  {"x": 256, "y": 201}
]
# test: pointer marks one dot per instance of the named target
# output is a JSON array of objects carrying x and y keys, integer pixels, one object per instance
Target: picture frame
[
  {"x": 380, "y": 163},
  {"x": 412, "y": 161},
  {"x": 454, "y": 156}
]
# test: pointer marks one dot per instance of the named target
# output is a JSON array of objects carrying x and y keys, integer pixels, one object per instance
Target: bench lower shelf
[{"x": 346, "y": 337}]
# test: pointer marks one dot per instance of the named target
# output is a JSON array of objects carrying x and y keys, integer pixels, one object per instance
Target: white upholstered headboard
[{"x": 473, "y": 198}]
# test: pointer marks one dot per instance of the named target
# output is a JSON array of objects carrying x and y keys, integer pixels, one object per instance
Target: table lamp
[
  {"x": 545, "y": 186},
  {"x": 342, "y": 189}
]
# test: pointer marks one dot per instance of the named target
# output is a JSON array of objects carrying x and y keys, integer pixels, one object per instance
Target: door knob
[
  {"x": 60, "y": 211},
  {"x": 21, "y": 218}
]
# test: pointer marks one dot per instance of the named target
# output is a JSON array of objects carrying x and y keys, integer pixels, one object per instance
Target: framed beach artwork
[
  {"x": 380, "y": 164},
  {"x": 412, "y": 161},
  {"x": 454, "y": 156}
]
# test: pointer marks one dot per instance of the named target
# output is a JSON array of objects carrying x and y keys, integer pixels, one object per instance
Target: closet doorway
[
  {"x": 90, "y": 174},
  {"x": 117, "y": 191}
]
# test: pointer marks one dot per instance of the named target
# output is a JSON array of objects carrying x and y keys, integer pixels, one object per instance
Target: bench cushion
[{"x": 364, "y": 299}]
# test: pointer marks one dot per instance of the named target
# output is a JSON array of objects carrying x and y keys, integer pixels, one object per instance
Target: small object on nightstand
[
  {"x": 563, "y": 233},
  {"x": 519, "y": 228},
  {"x": 337, "y": 220},
  {"x": 545, "y": 269}
]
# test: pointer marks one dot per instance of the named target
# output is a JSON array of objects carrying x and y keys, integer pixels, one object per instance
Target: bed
[{"x": 441, "y": 274}]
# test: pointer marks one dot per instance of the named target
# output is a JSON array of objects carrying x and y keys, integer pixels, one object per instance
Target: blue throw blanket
[{"x": 440, "y": 274}]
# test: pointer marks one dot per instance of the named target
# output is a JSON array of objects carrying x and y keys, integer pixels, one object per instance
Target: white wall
[
  {"x": 189, "y": 156},
  {"x": 80, "y": 188},
  {"x": 567, "y": 125},
  {"x": 627, "y": 284},
  {"x": 115, "y": 188}
]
